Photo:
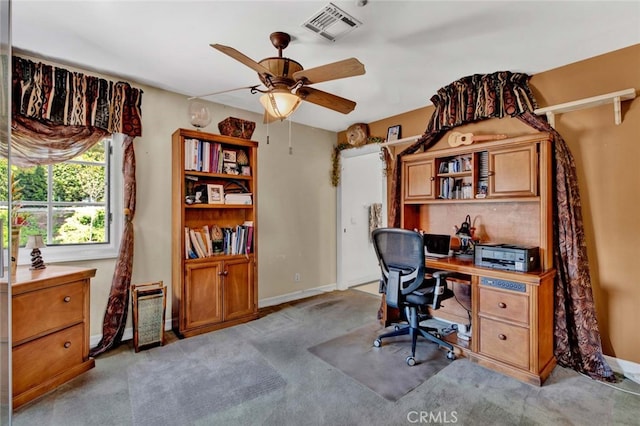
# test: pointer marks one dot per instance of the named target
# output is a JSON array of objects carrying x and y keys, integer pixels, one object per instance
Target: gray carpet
[
  {"x": 277, "y": 381},
  {"x": 197, "y": 378},
  {"x": 384, "y": 369}
]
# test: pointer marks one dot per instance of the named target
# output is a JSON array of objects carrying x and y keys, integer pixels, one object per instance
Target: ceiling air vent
[{"x": 331, "y": 22}]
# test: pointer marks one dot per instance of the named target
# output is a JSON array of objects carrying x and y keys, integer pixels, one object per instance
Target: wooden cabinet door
[
  {"x": 238, "y": 293},
  {"x": 203, "y": 295},
  {"x": 419, "y": 180},
  {"x": 513, "y": 171}
]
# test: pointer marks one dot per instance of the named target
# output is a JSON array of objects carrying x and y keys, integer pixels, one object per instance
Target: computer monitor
[{"x": 437, "y": 245}]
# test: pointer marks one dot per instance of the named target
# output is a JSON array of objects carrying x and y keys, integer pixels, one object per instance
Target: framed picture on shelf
[
  {"x": 393, "y": 133},
  {"x": 229, "y": 156},
  {"x": 215, "y": 193},
  {"x": 230, "y": 168}
]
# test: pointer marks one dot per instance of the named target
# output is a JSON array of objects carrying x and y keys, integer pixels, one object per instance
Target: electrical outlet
[{"x": 296, "y": 277}]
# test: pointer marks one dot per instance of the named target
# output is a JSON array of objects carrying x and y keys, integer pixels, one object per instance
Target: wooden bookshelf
[{"x": 214, "y": 286}]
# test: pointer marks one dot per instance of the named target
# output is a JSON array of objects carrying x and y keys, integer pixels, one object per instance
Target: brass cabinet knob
[
  {"x": 67, "y": 345},
  {"x": 502, "y": 305},
  {"x": 502, "y": 337},
  {"x": 67, "y": 299},
  {"x": 432, "y": 178}
]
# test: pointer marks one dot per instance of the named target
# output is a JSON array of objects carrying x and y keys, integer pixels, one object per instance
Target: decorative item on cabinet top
[
  {"x": 357, "y": 134},
  {"x": 236, "y": 127},
  {"x": 199, "y": 115}
]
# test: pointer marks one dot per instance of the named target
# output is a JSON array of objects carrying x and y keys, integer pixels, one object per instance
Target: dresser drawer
[
  {"x": 37, "y": 312},
  {"x": 501, "y": 304},
  {"x": 505, "y": 342},
  {"x": 38, "y": 360}
]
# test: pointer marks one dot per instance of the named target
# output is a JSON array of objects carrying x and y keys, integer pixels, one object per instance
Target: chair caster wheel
[
  {"x": 411, "y": 361},
  {"x": 451, "y": 355},
  {"x": 377, "y": 343},
  {"x": 396, "y": 328}
]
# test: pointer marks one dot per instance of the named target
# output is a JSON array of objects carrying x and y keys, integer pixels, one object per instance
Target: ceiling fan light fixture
[{"x": 280, "y": 104}]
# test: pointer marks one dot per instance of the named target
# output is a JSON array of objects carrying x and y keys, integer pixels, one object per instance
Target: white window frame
[{"x": 80, "y": 252}]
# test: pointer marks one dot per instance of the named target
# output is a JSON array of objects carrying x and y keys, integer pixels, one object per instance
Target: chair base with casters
[{"x": 414, "y": 300}]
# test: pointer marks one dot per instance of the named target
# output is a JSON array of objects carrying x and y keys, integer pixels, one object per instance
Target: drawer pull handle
[
  {"x": 502, "y": 305},
  {"x": 67, "y": 299},
  {"x": 502, "y": 337},
  {"x": 67, "y": 345}
]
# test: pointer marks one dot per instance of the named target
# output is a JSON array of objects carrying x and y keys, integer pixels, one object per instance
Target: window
[{"x": 75, "y": 205}]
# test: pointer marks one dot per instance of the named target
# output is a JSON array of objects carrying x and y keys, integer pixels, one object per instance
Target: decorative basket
[{"x": 236, "y": 127}]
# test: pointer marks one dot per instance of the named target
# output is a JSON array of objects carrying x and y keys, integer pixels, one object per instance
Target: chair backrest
[{"x": 401, "y": 257}]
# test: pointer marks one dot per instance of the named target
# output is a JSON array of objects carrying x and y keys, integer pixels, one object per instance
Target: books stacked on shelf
[
  {"x": 483, "y": 174},
  {"x": 456, "y": 165},
  {"x": 212, "y": 241},
  {"x": 238, "y": 198},
  {"x": 203, "y": 156},
  {"x": 455, "y": 189}
]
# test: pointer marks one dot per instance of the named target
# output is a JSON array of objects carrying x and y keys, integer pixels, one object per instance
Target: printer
[{"x": 508, "y": 257}]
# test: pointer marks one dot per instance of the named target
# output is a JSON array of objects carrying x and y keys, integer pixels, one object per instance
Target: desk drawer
[
  {"x": 39, "y": 360},
  {"x": 505, "y": 342},
  {"x": 501, "y": 304},
  {"x": 37, "y": 312}
]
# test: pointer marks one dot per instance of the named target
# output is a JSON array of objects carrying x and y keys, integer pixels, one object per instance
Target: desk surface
[{"x": 465, "y": 266}]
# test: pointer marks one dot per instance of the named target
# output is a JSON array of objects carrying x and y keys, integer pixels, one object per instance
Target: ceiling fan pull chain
[
  {"x": 267, "y": 133},
  {"x": 290, "y": 147}
]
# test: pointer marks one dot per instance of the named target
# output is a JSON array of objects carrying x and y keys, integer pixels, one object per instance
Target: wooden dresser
[{"x": 50, "y": 328}]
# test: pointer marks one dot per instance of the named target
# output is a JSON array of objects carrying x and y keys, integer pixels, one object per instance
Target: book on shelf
[
  {"x": 197, "y": 245},
  {"x": 208, "y": 242}
]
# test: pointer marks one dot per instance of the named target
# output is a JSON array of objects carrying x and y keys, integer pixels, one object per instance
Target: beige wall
[
  {"x": 606, "y": 158},
  {"x": 296, "y": 206}
]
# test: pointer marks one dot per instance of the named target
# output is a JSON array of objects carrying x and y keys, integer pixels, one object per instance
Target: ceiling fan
[{"x": 287, "y": 82}]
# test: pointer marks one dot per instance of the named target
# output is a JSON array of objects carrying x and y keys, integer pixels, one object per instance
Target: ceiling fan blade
[
  {"x": 241, "y": 57},
  {"x": 341, "y": 69},
  {"x": 326, "y": 100}
]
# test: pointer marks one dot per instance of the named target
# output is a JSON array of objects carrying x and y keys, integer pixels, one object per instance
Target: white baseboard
[
  {"x": 301, "y": 294},
  {"x": 630, "y": 370},
  {"x": 270, "y": 301}
]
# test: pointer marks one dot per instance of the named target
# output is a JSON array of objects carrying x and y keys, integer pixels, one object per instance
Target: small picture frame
[
  {"x": 215, "y": 193},
  {"x": 228, "y": 156},
  {"x": 230, "y": 168},
  {"x": 245, "y": 171},
  {"x": 393, "y": 133}
]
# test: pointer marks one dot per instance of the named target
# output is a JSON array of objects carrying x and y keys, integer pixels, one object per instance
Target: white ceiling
[{"x": 409, "y": 48}]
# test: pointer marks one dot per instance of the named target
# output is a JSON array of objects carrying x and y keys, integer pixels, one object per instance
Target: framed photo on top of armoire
[{"x": 393, "y": 134}]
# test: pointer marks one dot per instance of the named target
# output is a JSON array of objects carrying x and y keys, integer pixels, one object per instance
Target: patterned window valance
[
  {"x": 480, "y": 96},
  {"x": 61, "y": 97}
]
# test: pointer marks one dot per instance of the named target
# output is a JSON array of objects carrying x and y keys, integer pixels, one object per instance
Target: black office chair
[{"x": 401, "y": 256}]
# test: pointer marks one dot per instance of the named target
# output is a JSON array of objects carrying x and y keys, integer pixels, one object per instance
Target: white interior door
[{"x": 362, "y": 183}]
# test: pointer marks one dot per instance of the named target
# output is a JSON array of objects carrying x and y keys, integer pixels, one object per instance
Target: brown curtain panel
[
  {"x": 115, "y": 316},
  {"x": 501, "y": 94},
  {"x": 56, "y": 115}
]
